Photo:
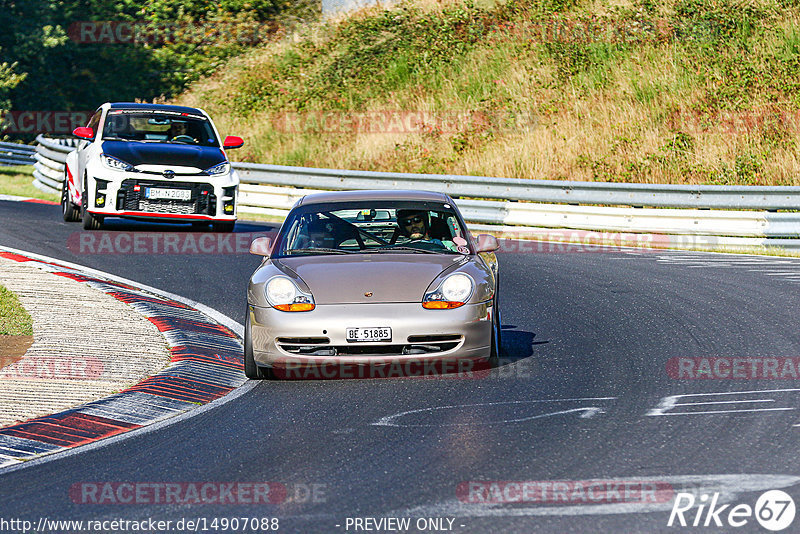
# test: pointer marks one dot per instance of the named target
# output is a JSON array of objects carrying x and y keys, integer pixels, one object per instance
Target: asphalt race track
[{"x": 585, "y": 392}]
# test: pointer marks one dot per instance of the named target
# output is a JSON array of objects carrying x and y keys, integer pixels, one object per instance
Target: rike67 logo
[{"x": 774, "y": 510}]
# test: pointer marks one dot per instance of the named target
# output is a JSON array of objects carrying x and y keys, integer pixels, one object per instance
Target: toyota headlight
[
  {"x": 218, "y": 169},
  {"x": 284, "y": 295},
  {"x": 453, "y": 292},
  {"x": 116, "y": 164}
]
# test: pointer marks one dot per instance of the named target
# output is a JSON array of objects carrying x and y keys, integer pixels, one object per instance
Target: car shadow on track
[{"x": 517, "y": 345}]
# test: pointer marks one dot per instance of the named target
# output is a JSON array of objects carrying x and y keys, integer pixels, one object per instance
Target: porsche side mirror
[
  {"x": 83, "y": 132},
  {"x": 487, "y": 243},
  {"x": 232, "y": 142},
  {"x": 261, "y": 246}
]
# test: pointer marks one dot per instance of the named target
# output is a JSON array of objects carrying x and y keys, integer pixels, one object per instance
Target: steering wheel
[{"x": 183, "y": 139}]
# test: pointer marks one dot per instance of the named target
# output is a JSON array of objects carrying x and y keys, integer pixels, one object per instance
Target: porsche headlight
[
  {"x": 218, "y": 169},
  {"x": 284, "y": 295},
  {"x": 453, "y": 292},
  {"x": 116, "y": 164}
]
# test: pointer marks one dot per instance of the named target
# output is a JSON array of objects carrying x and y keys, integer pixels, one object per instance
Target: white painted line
[
  {"x": 669, "y": 402},
  {"x": 720, "y": 255},
  {"x": 211, "y": 312},
  {"x": 729, "y": 411},
  {"x": 14, "y": 198},
  {"x": 730, "y": 262},
  {"x": 724, "y": 261},
  {"x": 734, "y": 259},
  {"x": 723, "y": 402},
  {"x": 739, "y": 392},
  {"x": 588, "y": 412},
  {"x": 214, "y": 314},
  {"x": 233, "y": 395},
  {"x": 728, "y": 486},
  {"x": 706, "y": 265}
]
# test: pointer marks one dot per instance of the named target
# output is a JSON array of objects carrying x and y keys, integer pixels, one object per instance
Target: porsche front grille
[{"x": 420, "y": 345}]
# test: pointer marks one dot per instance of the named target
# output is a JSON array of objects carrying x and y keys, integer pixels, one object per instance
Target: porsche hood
[{"x": 373, "y": 278}]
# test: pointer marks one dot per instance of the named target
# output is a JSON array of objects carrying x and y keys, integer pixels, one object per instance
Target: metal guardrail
[
  {"x": 553, "y": 191},
  {"x": 520, "y": 203},
  {"x": 51, "y": 155},
  {"x": 16, "y": 154}
]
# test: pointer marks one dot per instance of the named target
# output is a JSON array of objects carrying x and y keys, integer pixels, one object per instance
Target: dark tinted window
[
  {"x": 166, "y": 127},
  {"x": 376, "y": 227}
]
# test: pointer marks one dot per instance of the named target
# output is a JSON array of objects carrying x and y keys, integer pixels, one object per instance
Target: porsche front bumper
[{"x": 318, "y": 337}]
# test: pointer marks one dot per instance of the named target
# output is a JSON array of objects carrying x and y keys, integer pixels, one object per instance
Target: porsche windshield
[
  {"x": 163, "y": 127},
  {"x": 373, "y": 228}
]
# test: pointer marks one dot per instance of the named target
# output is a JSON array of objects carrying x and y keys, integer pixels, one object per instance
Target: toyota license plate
[
  {"x": 369, "y": 334},
  {"x": 157, "y": 193}
]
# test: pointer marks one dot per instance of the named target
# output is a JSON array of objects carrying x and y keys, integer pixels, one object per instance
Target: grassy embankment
[
  {"x": 14, "y": 320},
  {"x": 679, "y": 91},
  {"x": 17, "y": 180}
]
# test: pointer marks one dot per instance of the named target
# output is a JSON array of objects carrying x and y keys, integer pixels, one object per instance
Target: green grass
[
  {"x": 721, "y": 76},
  {"x": 14, "y": 320},
  {"x": 17, "y": 180}
]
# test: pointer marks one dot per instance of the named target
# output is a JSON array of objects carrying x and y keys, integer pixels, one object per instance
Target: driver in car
[
  {"x": 179, "y": 131},
  {"x": 415, "y": 225}
]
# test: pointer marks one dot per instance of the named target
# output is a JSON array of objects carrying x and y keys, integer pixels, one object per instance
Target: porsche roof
[{"x": 355, "y": 196}]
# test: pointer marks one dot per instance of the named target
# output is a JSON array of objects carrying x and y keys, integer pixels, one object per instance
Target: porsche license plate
[
  {"x": 369, "y": 334},
  {"x": 158, "y": 193}
]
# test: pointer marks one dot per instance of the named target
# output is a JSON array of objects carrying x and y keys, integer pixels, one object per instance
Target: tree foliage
[{"x": 43, "y": 66}]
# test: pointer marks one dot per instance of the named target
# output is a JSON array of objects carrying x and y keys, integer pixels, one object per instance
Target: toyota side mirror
[
  {"x": 83, "y": 132},
  {"x": 232, "y": 142}
]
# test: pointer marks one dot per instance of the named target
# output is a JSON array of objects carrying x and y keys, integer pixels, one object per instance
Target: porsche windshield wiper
[
  {"x": 319, "y": 250},
  {"x": 404, "y": 249}
]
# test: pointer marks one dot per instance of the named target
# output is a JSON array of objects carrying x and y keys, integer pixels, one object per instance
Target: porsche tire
[
  {"x": 251, "y": 369},
  {"x": 495, "y": 350}
]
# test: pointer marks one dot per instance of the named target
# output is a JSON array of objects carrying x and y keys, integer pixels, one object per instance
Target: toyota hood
[
  {"x": 369, "y": 278},
  {"x": 136, "y": 153}
]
